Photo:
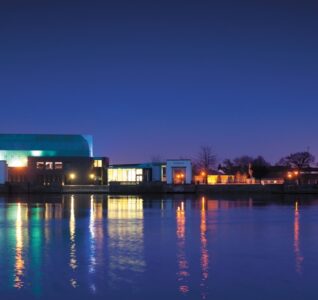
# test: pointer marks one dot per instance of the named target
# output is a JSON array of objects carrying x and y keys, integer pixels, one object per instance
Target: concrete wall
[
  {"x": 179, "y": 163},
  {"x": 3, "y": 172}
]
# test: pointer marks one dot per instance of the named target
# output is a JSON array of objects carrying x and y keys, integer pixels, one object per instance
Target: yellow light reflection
[
  {"x": 126, "y": 234},
  {"x": 19, "y": 260},
  {"x": 204, "y": 250},
  {"x": 183, "y": 272},
  {"x": 298, "y": 255},
  {"x": 73, "y": 258}
]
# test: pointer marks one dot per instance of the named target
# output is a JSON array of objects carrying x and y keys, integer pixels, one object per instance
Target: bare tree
[
  {"x": 297, "y": 160},
  {"x": 206, "y": 159}
]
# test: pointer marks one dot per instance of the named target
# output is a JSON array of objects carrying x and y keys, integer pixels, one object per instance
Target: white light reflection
[
  {"x": 73, "y": 258},
  {"x": 92, "y": 258}
]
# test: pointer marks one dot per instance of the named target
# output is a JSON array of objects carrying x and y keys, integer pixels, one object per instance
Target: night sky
[{"x": 161, "y": 78}]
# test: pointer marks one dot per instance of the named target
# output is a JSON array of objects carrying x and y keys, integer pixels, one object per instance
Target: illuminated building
[
  {"x": 136, "y": 173},
  {"x": 16, "y": 148},
  {"x": 179, "y": 171},
  {"x": 173, "y": 172},
  {"x": 52, "y": 159}
]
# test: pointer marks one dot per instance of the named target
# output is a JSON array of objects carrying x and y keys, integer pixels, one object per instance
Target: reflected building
[
  {"x": 126, "y": 237},
  {"x": 183, "y": 266}
]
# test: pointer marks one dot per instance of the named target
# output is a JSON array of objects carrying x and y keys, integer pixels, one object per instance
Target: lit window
[
  {"x": 40, "y": 165},
  {"x": 98, "y": 163},
  {"x": 49, "y": 165},
  {"x": 58, "y": 165}
]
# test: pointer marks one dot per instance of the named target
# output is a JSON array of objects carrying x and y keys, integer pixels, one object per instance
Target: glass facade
[{"x": 125, "y": 175}]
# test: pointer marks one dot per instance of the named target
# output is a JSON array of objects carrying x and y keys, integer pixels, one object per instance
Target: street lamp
[
  {"x": 203, "y": 174},
  {"x": 72, "y": 177}
]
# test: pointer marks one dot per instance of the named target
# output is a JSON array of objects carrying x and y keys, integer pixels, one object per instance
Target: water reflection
[
  {"x": 73, "y": 258},
  {"x": 96, "y": 236},
  {"x": 114, "y": 248},
  {"x": 19, "y": 257},
  {"x": 298, "y": 255},
  {"x": 126, "y": 237},
  {"x": 183, "y": 267},
  {"x": 204, "y": 250}
]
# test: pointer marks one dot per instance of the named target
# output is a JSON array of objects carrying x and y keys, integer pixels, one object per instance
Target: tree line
[{"x": 206, "y": 161}]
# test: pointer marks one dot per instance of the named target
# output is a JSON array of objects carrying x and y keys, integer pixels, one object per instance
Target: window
[
  {"x": 98, "y": 163},
  {"x": 58, "y": 165},
  {"x": 40, "y": 165},
  {"x": 125, "y": 175},
  {"x": 49, "y": 165}
]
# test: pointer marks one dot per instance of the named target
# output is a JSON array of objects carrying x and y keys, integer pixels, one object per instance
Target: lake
[{"x": 158, "y": 247}]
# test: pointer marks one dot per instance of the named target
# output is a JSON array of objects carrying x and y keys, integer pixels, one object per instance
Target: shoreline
[{"x": 159, "y": 188}]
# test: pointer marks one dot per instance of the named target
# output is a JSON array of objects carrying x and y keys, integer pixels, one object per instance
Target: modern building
[
  {"x": 172, "y": 172},
  {"x": 52, "y": 159},
  {"x": 136, "y": 173},
  {"x": 16, "y": 148},
  {"x": 179, "y": 171}
]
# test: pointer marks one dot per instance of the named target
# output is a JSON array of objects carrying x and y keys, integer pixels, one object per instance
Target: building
[
  {"x": 16, "y": 148},
  {"x": 179, "y": 171},
  {"x": 172, "y": 172},
  {"x": 52, "y": 159},
  {"x": 136, "y": 173}
]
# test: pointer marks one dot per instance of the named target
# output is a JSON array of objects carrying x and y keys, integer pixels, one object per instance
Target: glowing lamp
[{"x": 72, "y": 176}]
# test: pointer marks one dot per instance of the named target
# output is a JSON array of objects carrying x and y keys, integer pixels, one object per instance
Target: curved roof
[{"x": 60, "y": 144}]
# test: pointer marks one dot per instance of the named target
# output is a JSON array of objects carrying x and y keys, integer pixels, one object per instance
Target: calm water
[{"x": 104, "y": 247}]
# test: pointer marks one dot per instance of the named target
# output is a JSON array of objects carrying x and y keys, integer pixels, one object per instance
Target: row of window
[
  {"x": 58, "y": 165},
  {"x": 49, "y": 165}
]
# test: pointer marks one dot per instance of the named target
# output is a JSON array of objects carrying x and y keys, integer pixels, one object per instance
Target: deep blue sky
[{"x": 163, "y": 77}]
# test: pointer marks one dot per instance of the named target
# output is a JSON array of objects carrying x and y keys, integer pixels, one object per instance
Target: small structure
[{"x": 179, "y": 171}]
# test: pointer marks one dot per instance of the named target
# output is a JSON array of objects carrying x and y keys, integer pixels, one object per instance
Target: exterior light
[
  {"x": 296, "y": 173},
  {"x": 203, "y": 173},
  {"x": 72, "y": 176},
  {"x": 289, "y": 175},
  {"x": 92, "y": 176}
]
